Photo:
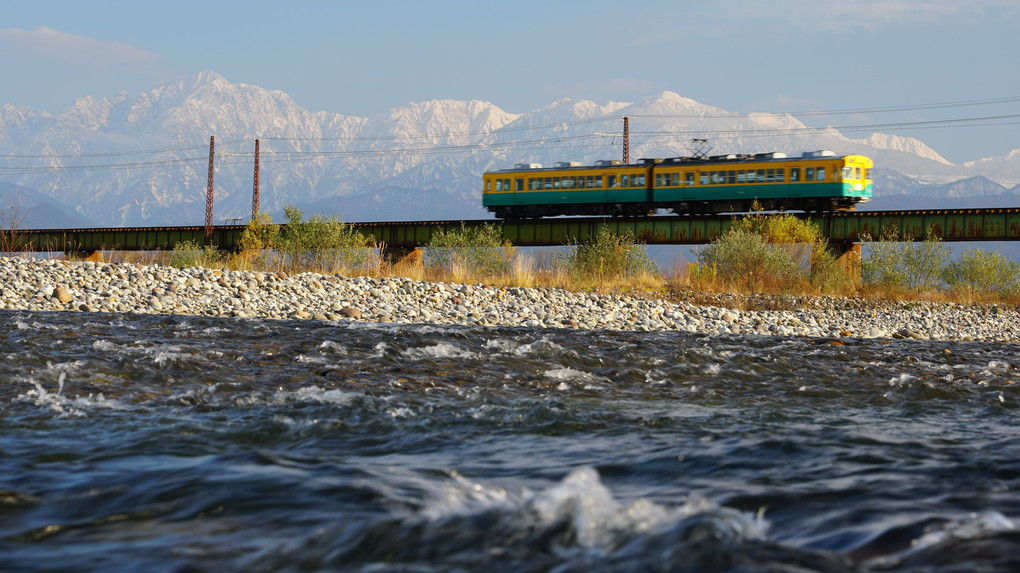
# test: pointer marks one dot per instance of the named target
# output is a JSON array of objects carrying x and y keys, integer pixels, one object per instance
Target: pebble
[{"x": 52, "y": 284}]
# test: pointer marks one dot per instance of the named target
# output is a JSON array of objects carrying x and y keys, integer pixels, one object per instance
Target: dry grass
[{"x": 682, "y": 281}]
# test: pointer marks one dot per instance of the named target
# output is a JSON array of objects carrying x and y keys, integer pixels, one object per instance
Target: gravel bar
[{"x": 51, "y": 284}]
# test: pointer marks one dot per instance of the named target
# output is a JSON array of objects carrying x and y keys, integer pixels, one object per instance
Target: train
[{"x": 814, "y": 181}]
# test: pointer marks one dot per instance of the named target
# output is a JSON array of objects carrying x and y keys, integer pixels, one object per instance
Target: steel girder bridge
[{"x": 843, "y": 230}]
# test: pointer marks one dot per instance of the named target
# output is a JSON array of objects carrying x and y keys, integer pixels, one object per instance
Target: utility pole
[
  {"x": 255, "y": 187},
  {"x": 209, "y": 195},
  {"x": 626, "y": 140}
]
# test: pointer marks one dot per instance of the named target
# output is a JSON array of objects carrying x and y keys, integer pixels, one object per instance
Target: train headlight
[{"x": 858, "y": 187}]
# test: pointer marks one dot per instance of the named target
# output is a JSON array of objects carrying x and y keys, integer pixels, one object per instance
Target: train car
[{"x": 814, "y": 181}]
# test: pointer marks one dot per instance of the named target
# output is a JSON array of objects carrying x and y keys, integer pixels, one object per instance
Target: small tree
[
  {"x": 12, "y": 239},
  {"x": 607, "y": 258},
  {"x": 259, "y": 234},
  {"x": 772, "y": 252},
  {"x": 323, "y": 244},
  {"x": 983, "y": 272},
  {"x": 897, "y": 261},
  {"x": 477, "y": 251},
  {"x": 187, "y": 254}
]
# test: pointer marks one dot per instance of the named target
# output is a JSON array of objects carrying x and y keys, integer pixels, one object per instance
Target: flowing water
[{"x": 156, "y": 443}]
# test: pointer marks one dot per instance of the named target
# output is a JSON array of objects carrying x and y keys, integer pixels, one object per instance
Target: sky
[{"x": 918, "y": 68}]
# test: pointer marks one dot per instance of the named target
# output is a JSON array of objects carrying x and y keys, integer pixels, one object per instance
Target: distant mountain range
[{"x": 144, "y": 161}]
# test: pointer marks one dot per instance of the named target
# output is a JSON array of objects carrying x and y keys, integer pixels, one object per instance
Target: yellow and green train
[{"x": 814, "y": 181}]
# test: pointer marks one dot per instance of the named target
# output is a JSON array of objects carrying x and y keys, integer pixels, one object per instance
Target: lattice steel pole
[
  {"x": 209, "y": 194},
  {"x": 626, "y": 140},
  {"x": 255, "y": 186}
]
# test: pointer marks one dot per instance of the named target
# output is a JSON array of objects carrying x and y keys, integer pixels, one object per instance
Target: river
[{"x": 159, "y": 443}]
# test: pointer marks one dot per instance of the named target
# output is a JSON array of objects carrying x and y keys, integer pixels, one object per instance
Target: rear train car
[{"x": 814, "y": 181}]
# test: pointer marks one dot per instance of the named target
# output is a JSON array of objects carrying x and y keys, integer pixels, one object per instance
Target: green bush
[
  {"x": 983, "y": 271},
  {"x": 323, "y": 244},
  {"x": 609, "y": 257},
  {"x": 260, "y": 234},
  {"x": 477, "y": 251},
  {"x": 773, "y": 252},
  {"x": 900, "y": 262},
  {"x": 190, "y": 254}
]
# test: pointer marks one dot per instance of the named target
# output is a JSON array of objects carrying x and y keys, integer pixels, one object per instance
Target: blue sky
[{"x": 363, "y": 58}]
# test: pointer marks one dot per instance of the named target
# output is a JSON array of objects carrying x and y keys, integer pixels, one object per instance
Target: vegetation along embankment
[{"x": 765, "y": 261}]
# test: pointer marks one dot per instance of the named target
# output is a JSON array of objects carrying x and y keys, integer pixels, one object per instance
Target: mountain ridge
[{"x": 124, "y": 161}]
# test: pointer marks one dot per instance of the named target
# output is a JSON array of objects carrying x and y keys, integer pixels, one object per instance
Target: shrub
[
  {"x": 322, "y": 244},
  {"x": 259, "y": 234},
  {"x": 897, "y": 261},
  {"x": 609, "y": 257},
  {"x": 191, "y": 254},
  {"x": 471, "y": 251},
  {"x": 983, "y": 272},
  {"x": 12, "y": 239},
  {"x": 770, "y": 252}
]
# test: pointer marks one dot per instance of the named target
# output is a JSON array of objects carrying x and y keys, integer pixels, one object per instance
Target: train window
[
  {"x": 518, "y": 185},
  {"x": 780, "y": 175},
  {"x": 794, "y": 174},
  {"x": 732, "y": 177},
  {"x": 770, "y": 175},
  {"x": 612, "y": 181},
  {"x": 740, "y": 176},
  {"x": 809, "y": 174},
  {"x": 690, "y": 178},
  {"x": 857, "y": 172},
  {"x": 625, "y": 180},
  {"x": 848, "y": 172},
  {"x": 821, "y": 174},
  {"x": 658, "y": 180},
  {"x": 867, "y": 173},
  {"x": 761, "y": 176},
  {"x": 703, "y": 177},
  {"x": 638, "y": 180}
]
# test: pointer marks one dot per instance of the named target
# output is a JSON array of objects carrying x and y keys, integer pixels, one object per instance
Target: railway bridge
[{"x": 843, "y": 230}]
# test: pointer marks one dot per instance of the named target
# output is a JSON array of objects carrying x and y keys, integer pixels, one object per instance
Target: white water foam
[
  {"x": 973, "y": 526},
  {"x": 65, "y": 406},
  {"x": 440, "y": 350},
  {"x": 599, "y": 520}
]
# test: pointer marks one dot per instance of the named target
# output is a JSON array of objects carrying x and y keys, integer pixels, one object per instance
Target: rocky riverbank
[{"x": 48, "y": 285}]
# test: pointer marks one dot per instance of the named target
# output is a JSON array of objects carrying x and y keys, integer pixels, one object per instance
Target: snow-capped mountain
[{"x": 124, "y": 161}]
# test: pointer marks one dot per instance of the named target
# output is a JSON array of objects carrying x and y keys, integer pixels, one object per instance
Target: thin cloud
[
  {"x": 78, "y": 52},
  {"x": 863, "y": 14}
]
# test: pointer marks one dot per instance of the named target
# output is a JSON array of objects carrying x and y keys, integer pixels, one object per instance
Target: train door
[
  {"x": 795, "y": 189},
  {"x": 518, "y": 190}
]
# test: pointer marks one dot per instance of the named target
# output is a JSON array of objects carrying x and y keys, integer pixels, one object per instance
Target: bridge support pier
[
  {"x": 394, "y": 255},
  {"x": 848, "y": 258}
]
